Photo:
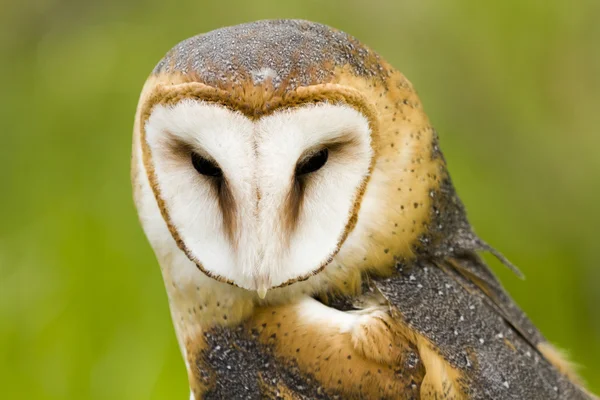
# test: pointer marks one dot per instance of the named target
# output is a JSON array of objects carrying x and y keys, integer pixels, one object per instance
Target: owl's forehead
[
  {"x": 192, "y": 120},
  {"x": 286, "y": 53}
]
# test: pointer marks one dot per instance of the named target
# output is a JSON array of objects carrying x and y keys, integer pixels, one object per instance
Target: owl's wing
[
  {"x": 467, "y": 323},
  {"x": 308, "y": 350},
  {"x": 470, "y": 271},
  {"x": 436, "y": 329}
]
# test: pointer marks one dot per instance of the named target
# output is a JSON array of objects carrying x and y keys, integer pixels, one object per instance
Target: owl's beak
[
  {"x": 262, "y": 292},
  {"x": 262, "y": 286}
]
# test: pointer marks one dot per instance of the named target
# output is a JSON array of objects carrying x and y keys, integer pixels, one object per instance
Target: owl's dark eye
[
  {"x": 313, "y": 163},
  {"x": 205, "y": 166}
]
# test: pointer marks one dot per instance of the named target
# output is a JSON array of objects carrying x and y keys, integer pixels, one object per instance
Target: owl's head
[{"x": 271, "y": 150}]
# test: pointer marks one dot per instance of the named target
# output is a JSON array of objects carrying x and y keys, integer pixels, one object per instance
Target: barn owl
[{"x": 308, "y": 233}]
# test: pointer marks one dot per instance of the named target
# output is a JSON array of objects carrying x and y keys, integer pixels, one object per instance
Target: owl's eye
[
  {"x": 205, "y": 166},
  {"x": 312, "y": 163}
]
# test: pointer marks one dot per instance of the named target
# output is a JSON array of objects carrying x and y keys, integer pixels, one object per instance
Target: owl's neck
[{"x": 198, "y": 302}]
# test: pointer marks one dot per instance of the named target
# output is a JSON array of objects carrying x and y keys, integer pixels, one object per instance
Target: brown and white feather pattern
[{"x": 375, "y": 287}]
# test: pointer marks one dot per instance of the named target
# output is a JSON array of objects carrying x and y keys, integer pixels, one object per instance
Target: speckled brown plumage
[{"x": 294, "y": 50}]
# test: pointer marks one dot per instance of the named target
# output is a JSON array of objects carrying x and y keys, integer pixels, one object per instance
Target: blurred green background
[{"x": 512, "y": 86}]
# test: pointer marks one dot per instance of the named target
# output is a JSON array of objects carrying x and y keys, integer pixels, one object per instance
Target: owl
[{"x": 309, "y": 236}]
